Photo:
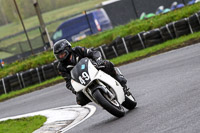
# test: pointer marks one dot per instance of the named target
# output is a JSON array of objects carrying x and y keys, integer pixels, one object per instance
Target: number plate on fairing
[{"x": 80, "y": 72}]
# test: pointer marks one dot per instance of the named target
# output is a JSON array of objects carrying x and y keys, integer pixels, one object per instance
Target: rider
[{"x": 68, "y": 57}]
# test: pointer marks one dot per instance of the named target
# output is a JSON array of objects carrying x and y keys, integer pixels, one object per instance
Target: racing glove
[{"x": 100, "y": 62}]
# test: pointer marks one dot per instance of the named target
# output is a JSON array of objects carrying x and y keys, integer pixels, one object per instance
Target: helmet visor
[{"x": 62, "y": 55}]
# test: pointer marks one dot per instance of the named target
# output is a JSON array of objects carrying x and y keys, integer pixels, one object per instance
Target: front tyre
[
  {"x": 112, "y": 106},
  {"x": 130, "y": 102}
]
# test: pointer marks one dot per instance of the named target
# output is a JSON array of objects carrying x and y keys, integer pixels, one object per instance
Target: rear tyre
[
  {"x": 112, "y": 107},
  {"x": 130, "y": 102}
]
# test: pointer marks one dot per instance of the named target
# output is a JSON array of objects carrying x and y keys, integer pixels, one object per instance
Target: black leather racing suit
[{"x": 77, "y": 54}]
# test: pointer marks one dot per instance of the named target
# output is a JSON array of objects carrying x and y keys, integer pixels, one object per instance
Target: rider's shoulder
[{"x": 79, "y": 48}]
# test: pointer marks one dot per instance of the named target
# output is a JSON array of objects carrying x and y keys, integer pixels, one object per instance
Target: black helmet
[{"x": 62, "y": 49}]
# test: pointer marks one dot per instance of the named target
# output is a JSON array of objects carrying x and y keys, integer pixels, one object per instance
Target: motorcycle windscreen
[{"x": 83, "y": 72}]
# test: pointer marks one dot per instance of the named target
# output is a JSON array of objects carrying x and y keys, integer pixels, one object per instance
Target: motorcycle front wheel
[{"x": 111, "y": 105}]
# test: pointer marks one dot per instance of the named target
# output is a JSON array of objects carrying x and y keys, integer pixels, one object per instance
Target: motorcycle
[{"x": 101, "y": 88}]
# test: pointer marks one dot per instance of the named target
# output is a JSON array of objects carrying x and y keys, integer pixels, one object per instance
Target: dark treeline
[{"x": 8, "y": 12}]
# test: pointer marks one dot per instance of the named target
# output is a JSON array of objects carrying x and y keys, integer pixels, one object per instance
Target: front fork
[{"x": 104, "y": 89}]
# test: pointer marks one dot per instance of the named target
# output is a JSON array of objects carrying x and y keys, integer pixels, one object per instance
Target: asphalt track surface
[{"x": 166, "y": 86}]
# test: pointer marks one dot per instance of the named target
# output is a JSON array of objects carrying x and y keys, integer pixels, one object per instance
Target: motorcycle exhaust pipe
[{"x": 118, "y": 71}]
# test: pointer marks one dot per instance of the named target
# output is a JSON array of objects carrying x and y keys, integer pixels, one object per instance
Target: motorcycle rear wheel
[{"x": 112, "y": 107}]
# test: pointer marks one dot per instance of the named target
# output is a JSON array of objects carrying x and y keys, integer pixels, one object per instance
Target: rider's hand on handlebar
[{"x": 100, "y": 62}]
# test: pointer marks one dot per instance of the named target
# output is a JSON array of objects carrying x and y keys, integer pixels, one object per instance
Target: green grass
[
  {"x": 5, "y": 55},
  {"x": 22, "y": 125},
  {"x": 31, "y": 62},
  {"x": 21, "y": 38},
  {"x": 166, "y": 46}
]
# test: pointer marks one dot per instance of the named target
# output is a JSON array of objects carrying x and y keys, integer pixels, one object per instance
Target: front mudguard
[{"x": 114, "y": 84}]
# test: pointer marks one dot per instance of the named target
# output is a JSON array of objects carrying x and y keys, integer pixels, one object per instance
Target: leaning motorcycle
[{"x": 101, "y": 88}]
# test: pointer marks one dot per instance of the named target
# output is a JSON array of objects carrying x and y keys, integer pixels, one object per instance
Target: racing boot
[
  {"x": 121, "y": 79},
  {"x": 81, "y": 99}
]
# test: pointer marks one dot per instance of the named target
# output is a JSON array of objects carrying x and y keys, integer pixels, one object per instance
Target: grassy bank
[
  {"x": 106, "y": 37},
  {"x": 134, "y": 56},
  {"x": 22, "y": 125}
]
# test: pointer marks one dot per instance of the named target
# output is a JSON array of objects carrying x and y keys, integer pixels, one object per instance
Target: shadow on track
[{"x": 112, "y": 121}]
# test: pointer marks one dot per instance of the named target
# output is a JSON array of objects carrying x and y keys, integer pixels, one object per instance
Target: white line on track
[{"x": 61, "y": 119}]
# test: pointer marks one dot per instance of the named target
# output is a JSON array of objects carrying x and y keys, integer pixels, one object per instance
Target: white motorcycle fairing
[
  {"x": 101, "y": 88},
  {"x": 84, "y": 74}
]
